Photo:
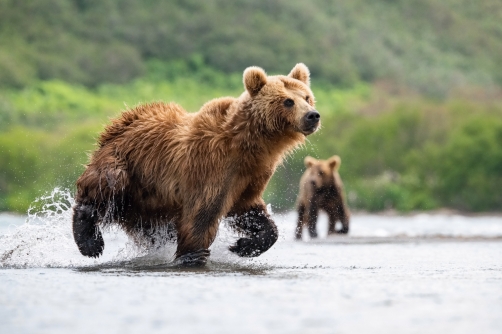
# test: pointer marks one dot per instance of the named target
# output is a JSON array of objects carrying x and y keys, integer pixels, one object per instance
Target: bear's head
[
  {"x": 281, "y": 104},
  {"x": 322, "y": 172}
]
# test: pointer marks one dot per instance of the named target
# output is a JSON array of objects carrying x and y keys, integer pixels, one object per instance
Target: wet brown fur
[
  {"x": 157, "y": 164},
  {"x": 321, "y": 188}
]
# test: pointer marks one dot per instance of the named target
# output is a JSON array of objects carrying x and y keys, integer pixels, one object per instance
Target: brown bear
[
  {"x": 157, "y": 165},
  {"x": 321, "y": 188}
]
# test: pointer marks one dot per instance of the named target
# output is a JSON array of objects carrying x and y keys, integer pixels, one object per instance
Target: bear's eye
[
  {"x": 307, "y": 99},
  {"x": 289, "y": 103}
]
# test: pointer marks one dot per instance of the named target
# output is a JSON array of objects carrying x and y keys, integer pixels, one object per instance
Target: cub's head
[
  {"x": 281, "y": 104},
  {"x": 322, "y": 172}
]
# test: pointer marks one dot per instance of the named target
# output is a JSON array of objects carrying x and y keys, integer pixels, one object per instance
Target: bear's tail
[{"x": 86, "y": 231}]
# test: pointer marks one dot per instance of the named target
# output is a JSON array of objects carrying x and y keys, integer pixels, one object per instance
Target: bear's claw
[{"x": 194, "y": 259}]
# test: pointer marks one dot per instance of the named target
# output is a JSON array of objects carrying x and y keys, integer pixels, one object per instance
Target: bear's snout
[{"x": 310, "y": 122}]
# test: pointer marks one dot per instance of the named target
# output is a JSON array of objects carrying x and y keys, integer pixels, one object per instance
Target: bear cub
[
  {"x": 157, "y": 166},
  {"x": 321, "y": 188}
]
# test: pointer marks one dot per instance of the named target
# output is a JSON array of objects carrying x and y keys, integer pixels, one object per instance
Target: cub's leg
[
  {"x": 301, "y": 217},
  {"x": 312, "y": 213},
  {"x": 332, "y": 223},
  {"x": 338, "y": 213},
  {"x": 260, "y": 232},
  {"x": 86, "y": 231},
  {"x": 333, "y": 217},
  {"x": 344, "y": 217}
]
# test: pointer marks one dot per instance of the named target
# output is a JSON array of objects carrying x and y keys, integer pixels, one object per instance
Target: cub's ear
[
  {"x": 309, "y": 161},
  {"x": 300, "y": 72},
  {"x": 335, "y": 162},
  {"x": 254, "y": 79}
]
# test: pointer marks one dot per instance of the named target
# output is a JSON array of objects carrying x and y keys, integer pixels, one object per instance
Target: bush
[{"x": 404, "y": 153}]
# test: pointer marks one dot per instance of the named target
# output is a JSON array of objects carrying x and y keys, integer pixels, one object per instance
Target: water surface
[{"x": 423, "y": 273}]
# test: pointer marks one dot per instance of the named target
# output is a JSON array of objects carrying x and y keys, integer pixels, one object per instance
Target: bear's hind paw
[{"x": 92, "y": 247}]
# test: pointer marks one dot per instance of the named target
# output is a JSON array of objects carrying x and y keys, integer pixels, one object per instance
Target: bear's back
[{"x": 144, "y": 115}]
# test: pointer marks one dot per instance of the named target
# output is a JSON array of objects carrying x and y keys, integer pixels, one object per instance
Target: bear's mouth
[{"x": 309, "y": 130}]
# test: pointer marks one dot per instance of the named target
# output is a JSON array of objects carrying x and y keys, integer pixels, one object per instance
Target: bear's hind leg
[
  {"x": 86, "y": 231},
  {"x": 260, "y": 231}
]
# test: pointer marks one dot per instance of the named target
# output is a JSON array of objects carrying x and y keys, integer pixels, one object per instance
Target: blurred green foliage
[
  {"x": 398, "y": 151},
  {"x": 409, "y": 90},
  {"x": 413, "y": 155},
  {"x": 47, "y": 128},
  {"x": 432, "y": 46}
]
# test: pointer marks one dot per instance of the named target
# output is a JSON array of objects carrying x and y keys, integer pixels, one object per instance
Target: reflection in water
[{"x": 135, "y": 267}]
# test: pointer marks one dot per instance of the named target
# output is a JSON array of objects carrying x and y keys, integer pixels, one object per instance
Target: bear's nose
[{"x": 312, "y": 117}]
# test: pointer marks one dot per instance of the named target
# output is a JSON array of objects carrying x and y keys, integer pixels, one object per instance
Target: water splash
[{"x": 46, "y": 240}]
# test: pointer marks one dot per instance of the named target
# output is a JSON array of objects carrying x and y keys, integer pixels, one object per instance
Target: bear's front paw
[
  {"x": 245, "y": 247},
  {"x": 193, "y": 259}
]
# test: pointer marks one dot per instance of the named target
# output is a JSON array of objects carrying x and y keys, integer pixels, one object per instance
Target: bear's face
[
  {"x": 322, "y": 172},
  {"x": 280, "y": 103}
]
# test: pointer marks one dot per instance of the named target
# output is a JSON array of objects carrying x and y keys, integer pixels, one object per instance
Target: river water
[{"x": 391, "y": 274}]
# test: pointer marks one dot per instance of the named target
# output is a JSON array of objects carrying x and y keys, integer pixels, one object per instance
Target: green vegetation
[
  {"x": 397, "y": 151},
  {"x": 409, "y": 90},
  {"x": 413, "y": 155},
  {"x": 434, "y": 47}
]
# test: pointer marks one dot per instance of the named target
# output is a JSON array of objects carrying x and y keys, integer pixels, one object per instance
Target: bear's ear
[
  {"x": 335, "y": 162},
  {"x": 300, "y": 72},
  {"x": 309, "y": 161},
  {"x": 254, "y": 79}
]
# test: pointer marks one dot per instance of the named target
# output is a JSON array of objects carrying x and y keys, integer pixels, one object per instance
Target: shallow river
[{"x": 416, "y": 274}]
